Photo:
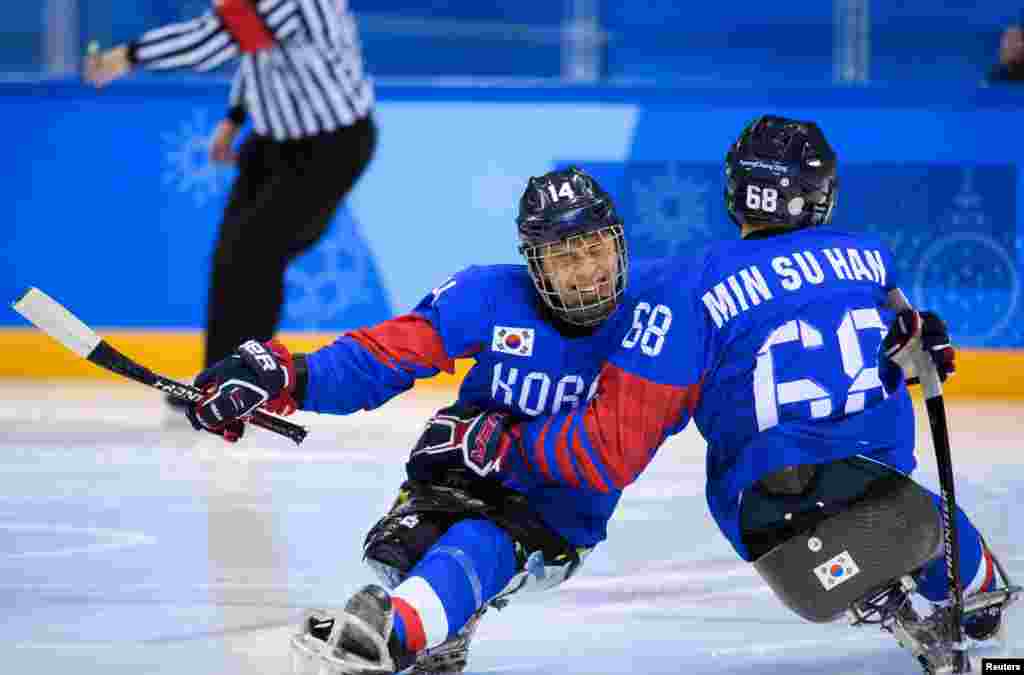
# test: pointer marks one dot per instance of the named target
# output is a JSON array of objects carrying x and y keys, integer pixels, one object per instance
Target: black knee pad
[
  {"x": 400, "y": 539},
  {"x": 423, "y": 513}
]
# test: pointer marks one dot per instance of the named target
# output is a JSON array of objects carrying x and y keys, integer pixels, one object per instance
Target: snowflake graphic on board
[
  {"x": 329, "y": 280},
  {"x": 671, "y": 209},
  {"x": 969, "y": 274},
  {"x": 188, "y": 168}
]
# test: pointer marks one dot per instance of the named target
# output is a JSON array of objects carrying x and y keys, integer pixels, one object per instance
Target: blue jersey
[
  {"x": 771, "y": 346},
  {"x": 523, "y": 365}
]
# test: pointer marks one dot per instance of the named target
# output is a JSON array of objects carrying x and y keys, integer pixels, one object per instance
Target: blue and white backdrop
[{"x": 113, "y": 206}]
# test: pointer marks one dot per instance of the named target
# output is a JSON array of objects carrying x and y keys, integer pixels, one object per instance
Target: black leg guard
[
  {"x": 423, "y": 512},
  {"x": 398, "y": 540}
]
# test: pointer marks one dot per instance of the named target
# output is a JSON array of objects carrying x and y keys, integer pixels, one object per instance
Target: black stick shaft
[
  {"x": 931, "y": 385},
  {"x": 951, "y": 543},
  {"x": 109, "y": 358}
]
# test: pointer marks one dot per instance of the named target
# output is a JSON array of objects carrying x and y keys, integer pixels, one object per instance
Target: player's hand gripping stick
[{"x": 56, "y": 321}]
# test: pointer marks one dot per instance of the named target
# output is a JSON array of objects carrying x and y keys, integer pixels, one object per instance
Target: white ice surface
[{"x": 130, "y": 544}]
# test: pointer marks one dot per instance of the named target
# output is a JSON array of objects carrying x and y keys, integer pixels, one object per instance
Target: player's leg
[
  {"x": 254, "y": 173},
  {"x": 871, "y": 536},
  {"x": 384, "y": 631},
  {"x": 985, "y": 592},
  {"x": 978, "y": 574},
  {"x": 796, "y": 499},
  {"x": 446, "y": 555},
  {"x": 329, "y": 166},
  {"x": 470, "y": 565},
  {"x": 281, "y": 204},
  {"x": 240, "y": 304},
  {"x": 415, "y": 522}
]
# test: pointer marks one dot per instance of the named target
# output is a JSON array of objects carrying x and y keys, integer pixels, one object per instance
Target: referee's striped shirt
[{"x": 301, "y": 70}]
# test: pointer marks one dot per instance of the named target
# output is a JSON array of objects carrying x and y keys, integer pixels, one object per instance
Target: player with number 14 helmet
[
  {"x": 538, "y": 335},
  {"x": 574, "y": 246}
]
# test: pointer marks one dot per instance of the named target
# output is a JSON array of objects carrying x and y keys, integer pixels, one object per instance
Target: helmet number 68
[{"x": 762, "y": 199}]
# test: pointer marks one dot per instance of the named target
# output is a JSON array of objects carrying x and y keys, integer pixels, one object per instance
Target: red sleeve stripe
[
  {"x": 541, "y": 462},
  {"x": 562, "y": 454},
  {"x": 590, "y": 472},
  {"x": 630, "y": 417},
  {"x": 602, "y": 425},
  {"x": 245, "y": 24},
  {"x": 405, "y": 339}
]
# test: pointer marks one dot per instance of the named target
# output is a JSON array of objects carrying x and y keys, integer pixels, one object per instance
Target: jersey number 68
[{"x": 650, "y": 334}]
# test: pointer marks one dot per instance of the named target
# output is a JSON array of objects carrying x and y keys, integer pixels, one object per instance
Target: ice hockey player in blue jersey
[
  {"x": 781, "y": 347},
  {"x": 477, "y": 520}
]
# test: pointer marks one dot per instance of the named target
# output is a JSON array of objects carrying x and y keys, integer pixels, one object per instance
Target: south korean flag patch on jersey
[
  {"x": 838, "y": 570},
  {"x": 509, "y": 340}
]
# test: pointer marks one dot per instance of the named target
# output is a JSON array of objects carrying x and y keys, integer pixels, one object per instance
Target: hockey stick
[
  {"x": 56, "y": 321},
  {"x": 931, "y": 386}
]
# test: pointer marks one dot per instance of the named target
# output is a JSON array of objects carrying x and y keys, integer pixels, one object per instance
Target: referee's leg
[
  {"x": 283, "y": 201},
  {"x": 331, "y": 164}
]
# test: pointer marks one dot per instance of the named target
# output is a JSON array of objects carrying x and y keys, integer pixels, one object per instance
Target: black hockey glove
[
  {"x": 459, "y": 437},
  {"x": 934, "y": 340},
  {"x": 255, "y": 375}
]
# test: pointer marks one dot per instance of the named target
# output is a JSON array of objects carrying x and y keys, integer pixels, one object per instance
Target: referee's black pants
[{"x": 280, "y": 204}]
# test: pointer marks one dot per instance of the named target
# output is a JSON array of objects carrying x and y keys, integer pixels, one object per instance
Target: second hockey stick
[
  {"x": 56, "y": 321},
  {"x": 931, "y": 387}
]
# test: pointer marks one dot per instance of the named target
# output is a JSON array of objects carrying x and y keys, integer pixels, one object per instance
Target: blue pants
[{"x": 470, "y": 564}]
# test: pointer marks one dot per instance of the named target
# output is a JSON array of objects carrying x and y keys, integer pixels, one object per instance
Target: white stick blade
[{"x": 53, "y": 319}]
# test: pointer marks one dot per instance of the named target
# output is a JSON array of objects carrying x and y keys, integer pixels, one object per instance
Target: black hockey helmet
[
  {"x": 555, "y": 208},
  {"x": 781, "y": 172}
]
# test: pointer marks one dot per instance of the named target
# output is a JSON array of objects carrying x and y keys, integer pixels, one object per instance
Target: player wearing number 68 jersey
[{"x": 778, "y": 347}]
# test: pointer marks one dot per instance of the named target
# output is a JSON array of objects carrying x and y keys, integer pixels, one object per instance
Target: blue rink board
[{"x": 112, "y": 191}]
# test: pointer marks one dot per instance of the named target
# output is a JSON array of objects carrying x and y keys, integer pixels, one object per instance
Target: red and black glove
[
  {"x": 460, "y": 438},
  {"x": 934, "y": 340},
  {"x": 256, "y": 375}
]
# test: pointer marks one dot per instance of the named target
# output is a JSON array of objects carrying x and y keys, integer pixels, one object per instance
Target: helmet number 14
[
  {"x": 762, "y": 198},
  {"x": 564, "y": 191}
]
